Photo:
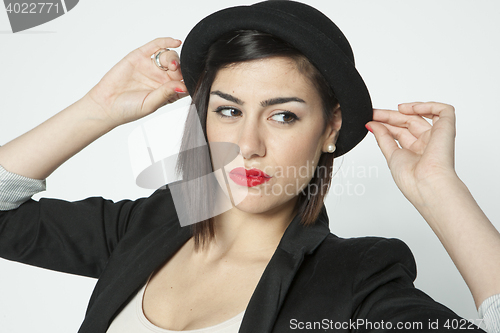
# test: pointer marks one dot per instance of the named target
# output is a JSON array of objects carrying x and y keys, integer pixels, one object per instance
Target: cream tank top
[{"x": 132, "y": 320}]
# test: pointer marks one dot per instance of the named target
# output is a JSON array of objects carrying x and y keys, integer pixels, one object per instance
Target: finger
[
  {"x": 384, "y": 138},
  {"x": 443, "y": 112},
  {"x": 147, "y": 70},
  {"x": 165, "y": 94},
  {"x": 159, "y": 43},
  {"x": 401, "y": 135},
  {"x": 443, "y": 117},
  {"x": 170, "y": 60},
  {"x": 429, "y": 109},
  {"x": 416, "y": 125},
  {"x": 407, "y": 141},
  {"x": 442, "y": 137}
]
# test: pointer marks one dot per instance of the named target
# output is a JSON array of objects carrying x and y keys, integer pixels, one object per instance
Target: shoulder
[
  {"x": 368, "y": 248},
  {"x": 156, "y": 210},
  {"x": 349, "y": 270},
  {"x": 367, "y": 266},
  {"x": 364, "y": 257}
]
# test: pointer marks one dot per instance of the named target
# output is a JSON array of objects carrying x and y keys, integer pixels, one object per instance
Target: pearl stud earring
[{"x": 331, "y": 148}]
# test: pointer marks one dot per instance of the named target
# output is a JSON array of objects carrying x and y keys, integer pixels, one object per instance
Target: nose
[{"x": 251, "y": 140}]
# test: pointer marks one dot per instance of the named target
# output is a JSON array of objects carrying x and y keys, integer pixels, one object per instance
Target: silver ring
[{"x": 156, "y": 58}]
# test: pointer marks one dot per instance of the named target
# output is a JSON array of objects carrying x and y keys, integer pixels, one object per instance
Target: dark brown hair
[{"x": 236, "y": 47}]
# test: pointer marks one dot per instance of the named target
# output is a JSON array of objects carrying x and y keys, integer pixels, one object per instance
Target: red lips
[{"x": 250, "y": 178}]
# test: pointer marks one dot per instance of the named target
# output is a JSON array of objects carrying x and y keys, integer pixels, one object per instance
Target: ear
[{"x": 332, "y": 129}]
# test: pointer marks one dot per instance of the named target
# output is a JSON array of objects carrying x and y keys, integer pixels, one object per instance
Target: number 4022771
[{"x": 32, "y": 8}]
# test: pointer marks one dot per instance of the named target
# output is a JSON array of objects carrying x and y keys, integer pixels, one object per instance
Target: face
[{"x": 275, "y": 115}]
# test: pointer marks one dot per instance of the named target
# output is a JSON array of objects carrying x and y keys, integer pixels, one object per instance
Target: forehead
[{"x": 277, "y": 70}]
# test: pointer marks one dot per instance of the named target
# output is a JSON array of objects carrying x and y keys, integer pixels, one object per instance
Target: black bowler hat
[{"x": 309, "y": 31}]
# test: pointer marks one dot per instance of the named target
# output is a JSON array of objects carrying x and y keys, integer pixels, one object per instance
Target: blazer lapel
[
  {"x": 272, "y": 288},
  {"x": 160, "y": 245}
]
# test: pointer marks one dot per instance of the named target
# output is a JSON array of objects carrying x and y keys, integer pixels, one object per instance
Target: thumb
[
  {"x": 384, "y": 138},
  {"x": 167, "y": 93}
]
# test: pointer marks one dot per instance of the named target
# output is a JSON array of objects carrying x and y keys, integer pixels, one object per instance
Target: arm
[
  {"x": 132, "y": 89},
  {"x": 423, "y": 169},
  {"x": 468, "y": 236},
  {"x": 78, "y": 237}
]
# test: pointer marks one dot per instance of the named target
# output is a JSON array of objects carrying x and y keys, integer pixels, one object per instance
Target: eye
[
  {"x": 285, "y": 118},
  {"x": 227, "y": 112}
]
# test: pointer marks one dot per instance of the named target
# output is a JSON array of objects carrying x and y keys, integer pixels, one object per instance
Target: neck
[{"x": 246, "y": 234}]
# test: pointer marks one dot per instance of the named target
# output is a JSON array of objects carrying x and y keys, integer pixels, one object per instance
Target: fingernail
[
  {"x": 179, "y": 90},
  {"x": 175, "y": 63},
  {"x": 368, "y": 128}
]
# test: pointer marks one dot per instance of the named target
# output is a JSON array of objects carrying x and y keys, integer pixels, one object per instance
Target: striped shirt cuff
[
  {"x": 16, "y": 189},
  {"x": 490, "y": 312}
]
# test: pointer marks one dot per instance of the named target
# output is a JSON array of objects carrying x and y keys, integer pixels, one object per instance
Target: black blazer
[{"x": 314, "y": 279}]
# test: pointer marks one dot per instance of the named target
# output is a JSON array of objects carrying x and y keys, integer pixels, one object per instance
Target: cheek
[
  {"x": 217, "y": 132},
  {"x": 301, "y": 152},
  {"x": 298, "y": 157}
]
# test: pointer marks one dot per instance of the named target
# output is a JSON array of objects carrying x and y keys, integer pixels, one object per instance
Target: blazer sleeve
[
  {"x": 73, "y": 237},
  {"x": 384, "y": 293}
]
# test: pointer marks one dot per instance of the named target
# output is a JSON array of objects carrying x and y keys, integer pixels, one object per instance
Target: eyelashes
[
  {"x": 223, "y": 109},
  {"x": 286, "y": 117}
]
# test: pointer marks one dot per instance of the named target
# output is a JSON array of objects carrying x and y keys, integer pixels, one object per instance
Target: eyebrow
[
  {"x": 268, "y": 102},
  {"x": 281, "y": 100}
]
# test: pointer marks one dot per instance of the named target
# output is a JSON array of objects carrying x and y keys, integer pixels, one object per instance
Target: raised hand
[
  {"x": 425, "y": 154},
  {"x": 135, "y": 87},
  {"x": 422, "y": 166}
]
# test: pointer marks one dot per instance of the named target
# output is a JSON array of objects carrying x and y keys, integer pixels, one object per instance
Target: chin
[
  {"x": 255, "y": 206},
  {"x": 256, "y": 202}
]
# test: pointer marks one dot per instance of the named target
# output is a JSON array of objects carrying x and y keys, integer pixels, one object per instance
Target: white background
[{"x": 423, "y": 50}]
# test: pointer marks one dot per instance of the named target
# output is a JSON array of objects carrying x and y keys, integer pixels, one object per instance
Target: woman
[{"x": 229, "y": 265}]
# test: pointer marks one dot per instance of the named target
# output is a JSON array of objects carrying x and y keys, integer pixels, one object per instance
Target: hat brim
[{"x": 322, "y": 51}]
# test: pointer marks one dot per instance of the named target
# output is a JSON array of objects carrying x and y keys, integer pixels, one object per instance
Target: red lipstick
[{"x": 250, "y": 178}]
